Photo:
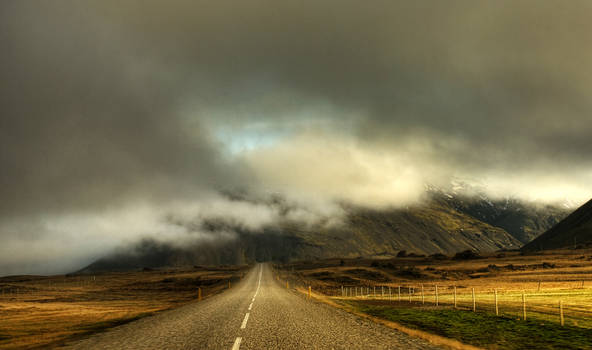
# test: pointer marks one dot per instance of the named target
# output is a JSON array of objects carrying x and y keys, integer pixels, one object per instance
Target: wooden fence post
[
  {"x": 309, "y": 292},
  {"x": 342, "y": 291},
  {"x": 523, "y": 306},
  {"x": 399, "y": 293},
  {"x": 455, "y": 297},
  {"x": 422, "y": 296},
  {"x": 436, "y": 295},
  {"x": 409, "y": 293},
  {"x": 539, "y": 287},
  {"x": 382, "y": 290},
  {"x": 474, "y": 304},
  {"x": 561, "y": 312},
  {"x": 496, "y": 308}
]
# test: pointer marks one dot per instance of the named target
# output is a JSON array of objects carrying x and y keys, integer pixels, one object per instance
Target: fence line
[
  {"x": 564, "y": 306},
  {"x": 550, "y": 305}
]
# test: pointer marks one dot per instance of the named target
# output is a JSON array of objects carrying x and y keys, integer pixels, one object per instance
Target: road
[{"x": 257, "y": 313}]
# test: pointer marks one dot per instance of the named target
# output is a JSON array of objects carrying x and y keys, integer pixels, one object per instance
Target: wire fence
[
  {"x": 564, "y": 306},
  {"x": 563, "y": 302}
]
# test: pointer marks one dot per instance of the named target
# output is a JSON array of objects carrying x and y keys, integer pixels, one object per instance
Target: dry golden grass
[
  {"x": 545, "y": 279},
  {"x": 39, "y": 311}
]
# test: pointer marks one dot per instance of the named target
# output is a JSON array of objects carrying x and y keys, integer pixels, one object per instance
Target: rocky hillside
[
  {"x": 433, "y": 227},
  {"x": 574, "y": 230},
  {"x": 449, "y": 220},
  {"x": 523, "y": 220}
]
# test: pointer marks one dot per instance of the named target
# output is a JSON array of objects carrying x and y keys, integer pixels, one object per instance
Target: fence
[
  {"x": 565, "y": 303},
  {"x": 564, "y": 306}
]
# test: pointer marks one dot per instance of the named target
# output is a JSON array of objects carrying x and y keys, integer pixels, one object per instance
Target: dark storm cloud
[
  {"x": 91, "y": 93},
  {"x": 83, "y": 122},
  {"x": 104, "y": 104},
  {"x": 508, "y": 78}
]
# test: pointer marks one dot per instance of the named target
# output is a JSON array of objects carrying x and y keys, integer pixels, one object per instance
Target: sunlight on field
[
  {"x": 542, "y": 305},
  {"x": 545, "y": 280},
  {"x": 36, "y": 310}
]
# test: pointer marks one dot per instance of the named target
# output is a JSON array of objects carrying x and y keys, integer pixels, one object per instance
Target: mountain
[
  {"x": 524, "y": 220},
  {"x": 431, "y": 227},
  {"x": 449, "y": 220},
  {"x": 574, "y": 230}
]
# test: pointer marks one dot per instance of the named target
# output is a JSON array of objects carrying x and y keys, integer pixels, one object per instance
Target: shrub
[
  {"x": 466, "y": 255},
  {"x": 438, "y": 256}
]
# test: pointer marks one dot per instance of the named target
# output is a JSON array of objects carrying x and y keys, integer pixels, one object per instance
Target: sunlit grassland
[
  {"x": 40, "y": 310},
  {"x": 541, "y": 305},
  {"x": 544, "y": 280},
  {"x": 483, "y": 329}
]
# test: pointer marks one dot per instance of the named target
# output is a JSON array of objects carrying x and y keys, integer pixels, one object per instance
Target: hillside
[
  {"x": 574, "y": 230},
  {"x": 433, "y": 227},
  {"x": 522, "y": 219}
]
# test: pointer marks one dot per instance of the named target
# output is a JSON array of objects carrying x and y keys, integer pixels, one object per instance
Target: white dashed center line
[
  {"x": 237, "y": 342},
  {"x": 244, "y": 325}
]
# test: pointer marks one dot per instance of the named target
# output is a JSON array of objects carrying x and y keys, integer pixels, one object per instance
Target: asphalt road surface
[{"x": 257, "y": 313}]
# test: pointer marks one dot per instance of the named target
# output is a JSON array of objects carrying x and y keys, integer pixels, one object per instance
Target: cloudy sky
[{"x": 117, "y": 114}]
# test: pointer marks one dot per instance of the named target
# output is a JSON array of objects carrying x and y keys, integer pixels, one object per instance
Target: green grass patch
[{"x": 485, "y": 329}]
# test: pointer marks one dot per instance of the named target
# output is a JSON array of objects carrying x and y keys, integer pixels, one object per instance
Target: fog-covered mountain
[
  {"x": 447, "y": 221},
  {"x": 524, "y": 220}
]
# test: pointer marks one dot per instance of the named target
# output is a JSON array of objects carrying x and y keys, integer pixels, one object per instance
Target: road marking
[
  {"x": 237, "y": 342},
  {"x": 250, "y": 306},
  {"x": 244, "y": 325},
  {"x": 258, "y": 283}
]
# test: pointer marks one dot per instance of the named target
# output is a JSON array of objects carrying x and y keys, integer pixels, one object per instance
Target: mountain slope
[
  {"x": 576, "y": 229},
  {"x": 432, "y": 227},
  {"x": 522, "y": 219}
]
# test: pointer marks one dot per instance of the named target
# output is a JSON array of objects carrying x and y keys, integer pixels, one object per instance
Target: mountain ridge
[
  {"x": 440, "y": 224},
  {"x": 574, "y": 230}
]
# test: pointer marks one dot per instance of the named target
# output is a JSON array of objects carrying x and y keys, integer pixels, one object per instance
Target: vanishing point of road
[{"x": 258, "y": 313}]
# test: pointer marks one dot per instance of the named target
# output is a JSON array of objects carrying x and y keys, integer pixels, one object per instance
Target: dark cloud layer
[
  {"x": 83, "y": 123},
  {"x": 507, "y": 78},
  {"x": 107, "y": 103}
]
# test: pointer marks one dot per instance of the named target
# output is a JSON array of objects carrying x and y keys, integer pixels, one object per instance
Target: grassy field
[
  {"x": 36, "y": 310},
  {"x": 544, "y": 280},
  {"x": 492, "y": 331}
]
